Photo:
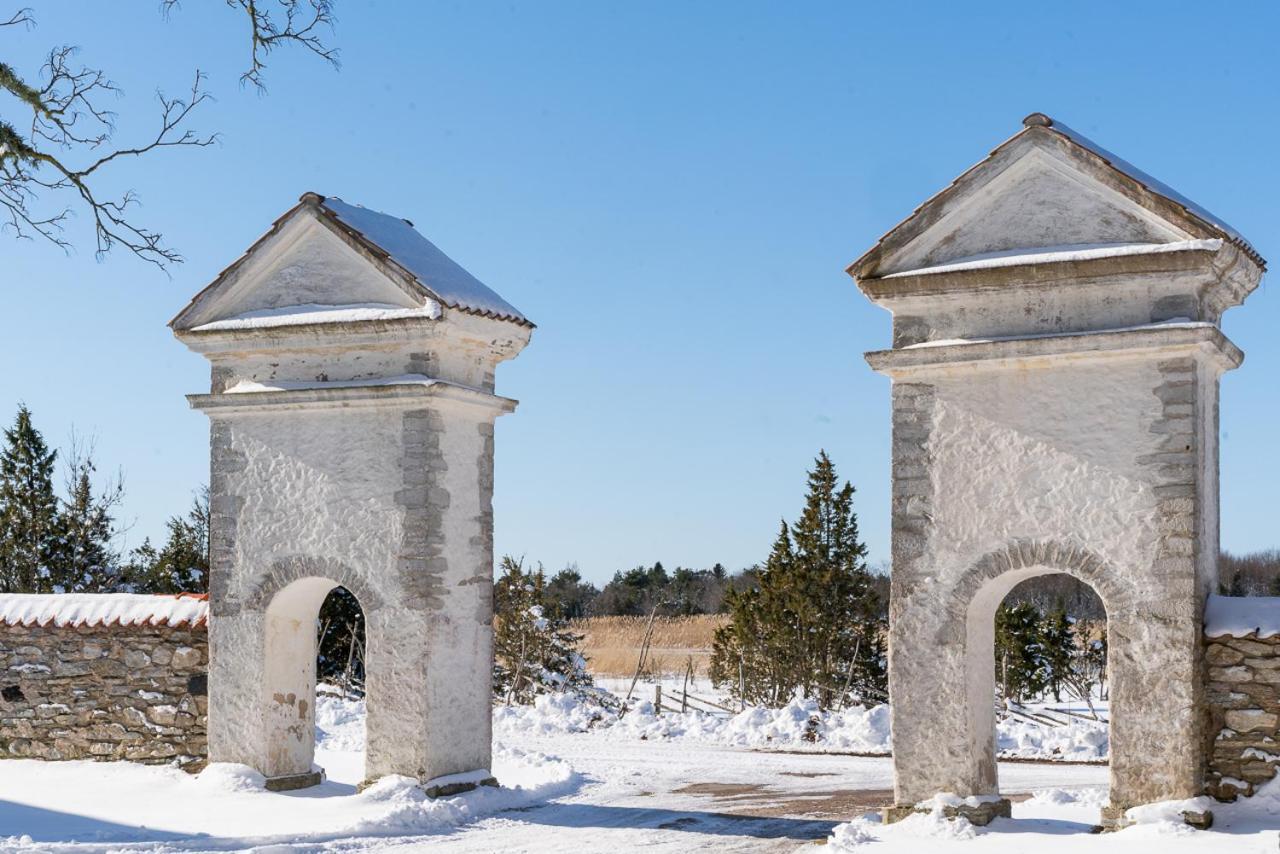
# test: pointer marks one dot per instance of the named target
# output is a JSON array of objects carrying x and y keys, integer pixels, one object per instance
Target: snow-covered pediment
[
  {"x": 329, "y": 261},
  {"x": 1036, "y": 203},
  {"x": 1044, "y": 189},
  {"x": 302, "y": 268}
]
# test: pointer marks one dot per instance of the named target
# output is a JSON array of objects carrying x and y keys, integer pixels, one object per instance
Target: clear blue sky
[{"x": 672, "y": 191}]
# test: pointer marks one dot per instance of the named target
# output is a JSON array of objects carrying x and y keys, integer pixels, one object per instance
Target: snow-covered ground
[{"x": 601, "y": 789}]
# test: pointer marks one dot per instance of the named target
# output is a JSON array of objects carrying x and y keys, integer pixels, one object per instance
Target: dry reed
[{"x": 612, "y": 644}]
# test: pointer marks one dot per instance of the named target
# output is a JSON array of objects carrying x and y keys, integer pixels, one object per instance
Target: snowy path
[
  {"x": 664, "y": 796},
  {"x": 599, "y": 791}
]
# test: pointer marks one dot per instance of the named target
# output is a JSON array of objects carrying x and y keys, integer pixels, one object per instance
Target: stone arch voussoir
[
  {"x": 287, "y": 570},
  {"x": 1049, "y": 554}
]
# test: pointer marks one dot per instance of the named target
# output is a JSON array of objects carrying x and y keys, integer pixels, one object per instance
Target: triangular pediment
[
  {"x": 1046, "y": 188},
  {"x": 302, "y": 261}
]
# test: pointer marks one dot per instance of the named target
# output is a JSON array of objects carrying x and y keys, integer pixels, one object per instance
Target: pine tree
[
  {"x": 535, "y": 652},
  {"x": 28, "y": 509},
  {"x": 812, "y": 622},
  {"x": 84, "y": 559}
]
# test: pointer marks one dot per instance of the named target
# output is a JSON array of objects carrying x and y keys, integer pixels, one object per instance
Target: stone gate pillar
[
  {"x": 1055, "y": 365},
  {"x": 352, "y": 409}
]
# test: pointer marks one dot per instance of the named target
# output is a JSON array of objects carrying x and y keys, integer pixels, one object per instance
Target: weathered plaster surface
[
  {"x": 385, "y": 490},
  {"x": 1046, "y": 425},
  {"x": 1025, "y": 470}
]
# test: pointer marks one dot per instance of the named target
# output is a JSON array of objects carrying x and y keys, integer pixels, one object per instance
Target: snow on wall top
[
  {"x": 103, "y": 609},
  {"x": 309, "y": 313},
  {"x": 1050, "y": 254},
  {"x": 436, "y": 272},
  {"x": 1239, "y": 616}
]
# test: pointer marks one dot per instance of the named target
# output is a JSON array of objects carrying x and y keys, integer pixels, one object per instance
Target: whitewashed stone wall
[
  {"x": 1055, "y": 366},
  {"x": 104, "y": 692},
  {"x": 356, "y": 450}
]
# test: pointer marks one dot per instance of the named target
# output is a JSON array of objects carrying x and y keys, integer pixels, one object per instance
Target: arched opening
[
  {"x": 1039, "y": 675},
  {"x": 340, "y": 687},
  {"x": 294, "y": 643}
]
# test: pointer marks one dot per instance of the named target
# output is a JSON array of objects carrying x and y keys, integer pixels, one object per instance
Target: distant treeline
[
  {"x": 1253, "y": 574},
  {"x": 682, "y": 591},
  {"x": 678, "y": 592}
]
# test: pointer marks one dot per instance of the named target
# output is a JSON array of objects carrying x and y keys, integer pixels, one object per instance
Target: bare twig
[
  {"x": 303, "y": 24},
  {"x": 67, "y": 139}
]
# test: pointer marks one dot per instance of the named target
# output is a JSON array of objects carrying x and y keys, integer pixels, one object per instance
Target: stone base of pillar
[
  {"x": 1113, "y": 818},
  {"x": 444, "y": 790},
  {"x": 979, "y": 815},
  {"x": 288, "y": 782}
]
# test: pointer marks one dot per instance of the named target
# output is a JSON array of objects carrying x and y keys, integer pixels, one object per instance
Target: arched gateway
[
  {"x": 352, "y": 407},
  {"x": 1055, "y": 365}
]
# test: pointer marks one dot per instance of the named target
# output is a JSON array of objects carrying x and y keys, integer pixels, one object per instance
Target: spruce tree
[
  {"x": 84, "y": 560},
  {"x": 28, "y": 509},
  {"x": 812, "y": 623},
  {"x": 1059, "y": 642},
  {"x": 535, "y": 651},
  {"x": 1021, "y": 671},
  {"x": 182, "y": 563}
]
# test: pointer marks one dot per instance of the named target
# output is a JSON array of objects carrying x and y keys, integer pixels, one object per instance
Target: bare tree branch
[
  {"x": 68, "y": 138},
  {"x": 22, "y": 16},
  {"x": 302, "y": 24}
]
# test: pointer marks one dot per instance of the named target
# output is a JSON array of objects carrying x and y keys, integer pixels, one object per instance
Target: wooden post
[
  {"x": 684, "y": 690},
  {"x": 657, "y": 698}
]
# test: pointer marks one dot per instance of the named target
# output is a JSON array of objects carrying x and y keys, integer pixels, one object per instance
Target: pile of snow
[
  {"x": 1241, "y": 616},
  {"x": 401, "y": 808},
  {"x": 102, "y": 609},
  {"x": 1078, "y": 740},
  {"x": 801, "y": 724},
  {"x": 553, "y": 714},
  {"x": 339, "y": 722},
  {"x": 230, "y": 777}
]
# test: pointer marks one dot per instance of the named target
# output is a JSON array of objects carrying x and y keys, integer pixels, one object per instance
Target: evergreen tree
[
  {"x": 534, "y": 650},
  {"x": 1059, "y": 640},
  {"x": 28, "y": 509},
  {"x": 569, "y": 594},
  {"x": 812, "y": 624},
  {"x": 1021, "y": 671},
  {"x": 84, "y": 559},
  {"x": 182, "y": 564}
]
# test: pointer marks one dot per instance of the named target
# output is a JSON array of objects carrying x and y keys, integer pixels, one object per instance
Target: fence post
[{"x": 657, "y": 699}]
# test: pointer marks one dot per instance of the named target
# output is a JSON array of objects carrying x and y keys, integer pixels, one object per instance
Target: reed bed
[{"x": 612, "y": 644}]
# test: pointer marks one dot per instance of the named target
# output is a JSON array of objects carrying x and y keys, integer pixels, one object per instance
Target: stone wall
[
  {"x": 105, "y": 692},
  {"x": 1244, "y": 708}
]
